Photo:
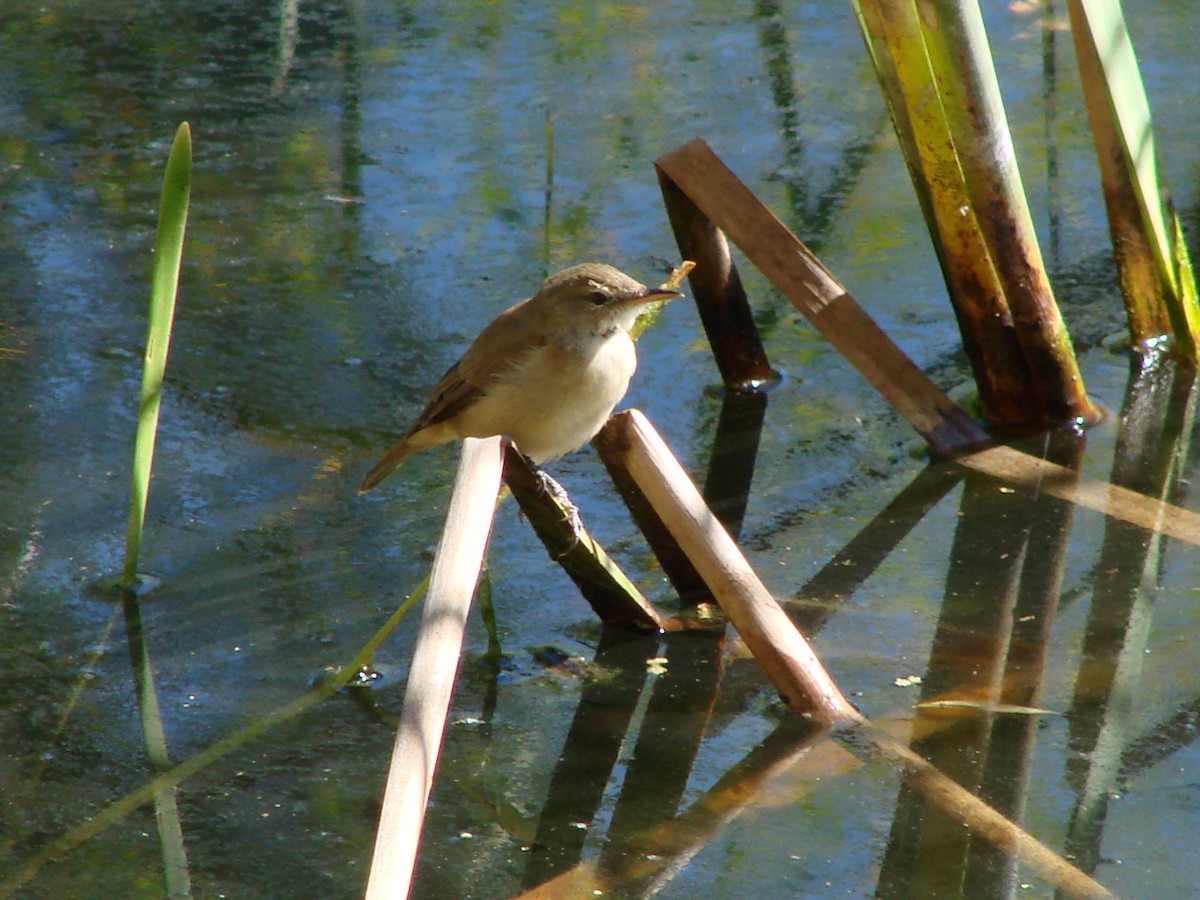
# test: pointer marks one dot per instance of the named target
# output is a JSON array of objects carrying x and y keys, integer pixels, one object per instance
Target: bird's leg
[{"x": 551, "y": 487}]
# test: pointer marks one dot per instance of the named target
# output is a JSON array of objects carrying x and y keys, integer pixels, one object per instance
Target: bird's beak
[{"x": 652, "y": 295}]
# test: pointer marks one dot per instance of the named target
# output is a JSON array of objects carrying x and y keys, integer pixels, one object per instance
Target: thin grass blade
[{"x": 168, "y": 254}]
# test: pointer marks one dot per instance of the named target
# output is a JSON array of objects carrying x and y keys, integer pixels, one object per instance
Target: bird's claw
[{"x": 551, "y": 487}]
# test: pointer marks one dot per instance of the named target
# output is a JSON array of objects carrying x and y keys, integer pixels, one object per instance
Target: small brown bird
[{"x": 545, "y": 373}]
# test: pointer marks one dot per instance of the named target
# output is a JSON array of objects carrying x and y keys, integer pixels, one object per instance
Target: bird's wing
[{"x": 498, "y": 347}]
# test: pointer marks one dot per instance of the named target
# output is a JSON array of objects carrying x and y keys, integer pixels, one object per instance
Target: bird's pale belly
[{"x": 554, "y": 402}]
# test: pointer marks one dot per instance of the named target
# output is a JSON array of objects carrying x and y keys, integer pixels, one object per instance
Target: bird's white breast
[{"x": 557, "y": 396}]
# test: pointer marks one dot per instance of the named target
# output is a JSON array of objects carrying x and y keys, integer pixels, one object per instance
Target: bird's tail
[{"x": 387, "y": 464}]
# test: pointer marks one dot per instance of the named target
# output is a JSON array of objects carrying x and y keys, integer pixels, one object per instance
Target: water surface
[{"x": 374, "y": 182}]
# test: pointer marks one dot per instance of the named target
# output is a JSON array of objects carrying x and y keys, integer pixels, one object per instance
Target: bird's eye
[{"x": 598, "y": 298}]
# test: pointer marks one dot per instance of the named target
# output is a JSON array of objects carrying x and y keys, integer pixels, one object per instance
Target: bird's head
[{"x": 598, "y": 298}]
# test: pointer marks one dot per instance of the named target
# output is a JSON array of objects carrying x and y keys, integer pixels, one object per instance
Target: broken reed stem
[
  {"x": 613, "y": 597},
  {"x": 717, "y": 290},
  {"x": 784, "y": 654},
  {"x": 800, "y": 276},
  {"x": 455, "y": 572},
  {"x": 718, "y": 194}
]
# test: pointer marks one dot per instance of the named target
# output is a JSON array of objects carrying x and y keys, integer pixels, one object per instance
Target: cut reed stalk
[
  {"x": 455, "y": 572},
  {"x": 611, "y": 594},
  {"x": 783, "y": 653},
  {"x": 715, "y": 193},
  {"x": 719, "y": 295},
  {"x": 892, "y": 36}
]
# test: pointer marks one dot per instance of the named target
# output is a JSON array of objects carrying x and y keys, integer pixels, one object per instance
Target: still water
[{"x": 373, "y": 183}]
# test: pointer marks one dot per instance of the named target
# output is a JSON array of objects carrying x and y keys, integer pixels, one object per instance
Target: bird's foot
[{"x": 551, "y": 487}]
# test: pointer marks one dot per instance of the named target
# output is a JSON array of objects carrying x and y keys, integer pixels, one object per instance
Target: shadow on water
[
  {"x": 1153, "y": 457},
  {"x": 988, "y": 654}
]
